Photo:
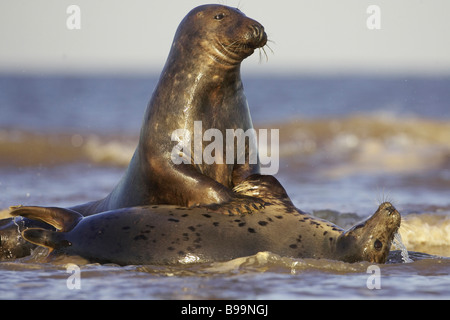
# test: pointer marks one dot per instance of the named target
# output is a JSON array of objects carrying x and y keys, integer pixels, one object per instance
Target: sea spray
[{"x": 399, "y": 244}]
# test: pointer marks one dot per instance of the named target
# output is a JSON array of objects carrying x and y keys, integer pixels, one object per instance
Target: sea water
[{"x": 346, "y": 144}]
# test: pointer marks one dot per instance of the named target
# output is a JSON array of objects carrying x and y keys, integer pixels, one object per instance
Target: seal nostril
[
  {"x": 257, "y": 30},
  {"x": 391, "y": 210}
]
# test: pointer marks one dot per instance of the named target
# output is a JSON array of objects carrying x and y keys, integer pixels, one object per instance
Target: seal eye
[
  {"x": 219, "y": 16},
  {"x": 378, "y": 244}
]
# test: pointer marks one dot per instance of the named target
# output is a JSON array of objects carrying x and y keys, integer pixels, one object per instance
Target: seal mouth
[{"x": 234, "y": 52}]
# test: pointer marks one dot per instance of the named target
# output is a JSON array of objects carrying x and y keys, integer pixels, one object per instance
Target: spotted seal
[
  {"x": 170, "y": 234},
  {"x": 200, "y": 81}
]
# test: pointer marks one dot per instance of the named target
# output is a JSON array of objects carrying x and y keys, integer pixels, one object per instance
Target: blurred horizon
[{"x": 134, "y": 37}]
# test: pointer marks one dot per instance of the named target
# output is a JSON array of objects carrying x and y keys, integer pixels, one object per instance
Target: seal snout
[
  {"x": 258, "y": 31},
  {"x": 258, "y": 35},
  {"x": 388, "y": 210}
]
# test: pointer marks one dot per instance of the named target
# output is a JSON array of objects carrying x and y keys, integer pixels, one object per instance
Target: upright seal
[{"x": 200, "y": 82}]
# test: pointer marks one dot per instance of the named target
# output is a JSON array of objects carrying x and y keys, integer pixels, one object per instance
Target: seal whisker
[
  {"x": 264, "y": 50},
  {"x": 271, "y": 50},
  {"x": 235, "y": 46},
  {"x": 405, "y": 227},
  {"x": 384, "y": 196},
  {"x": 260, "y": 55},
  {"x": 227, "y": 53},
  {"x": 240, "y": 6}
]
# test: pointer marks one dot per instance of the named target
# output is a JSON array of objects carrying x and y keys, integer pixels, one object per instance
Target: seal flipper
[
  {"x": 45, "y": 238},
  {"x": 62, "y": 219}
]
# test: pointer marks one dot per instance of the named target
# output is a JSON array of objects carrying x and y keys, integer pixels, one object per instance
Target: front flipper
[
  {"x": 60, "y": 218},
  {"x": 239, "y": 205},
  {"x": 253, "y": 194}
]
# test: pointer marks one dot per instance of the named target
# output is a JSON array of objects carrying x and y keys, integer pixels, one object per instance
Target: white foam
[
  {"x": 368, "y": 144},
  {"x": 427, "y": 232},
  {"x": 112, "y": 152}
]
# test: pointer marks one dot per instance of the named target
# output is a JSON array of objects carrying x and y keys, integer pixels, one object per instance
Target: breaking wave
[
  {"x": 360, "y": 143},
  {"x": 22, "y": 148},
  {"x": 367, "y": 143}
]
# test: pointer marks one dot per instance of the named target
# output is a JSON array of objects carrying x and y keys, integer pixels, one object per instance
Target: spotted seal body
[{"x": 170, "y": 234}]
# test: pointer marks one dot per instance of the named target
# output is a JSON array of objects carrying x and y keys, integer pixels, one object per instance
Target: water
[
  {"x": 346, "y": 144},
  {"x": 263, "y": 276}
]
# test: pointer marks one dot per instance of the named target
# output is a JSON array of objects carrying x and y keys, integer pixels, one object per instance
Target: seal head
[
  {"x": 370, "y": 240},
  {"x": 12, "y": 245},
  {"x": 225, "y": 34}
]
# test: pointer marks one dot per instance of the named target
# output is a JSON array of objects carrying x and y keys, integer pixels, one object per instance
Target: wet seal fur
[
  {"x": 200, "y": 81},
  {"x": 170, "y": 234}
]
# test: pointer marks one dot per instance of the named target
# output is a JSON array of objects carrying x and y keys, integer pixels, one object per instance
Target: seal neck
[
  {"x": 191, "y": 87},
  {"x": 202, "y": 66}
]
